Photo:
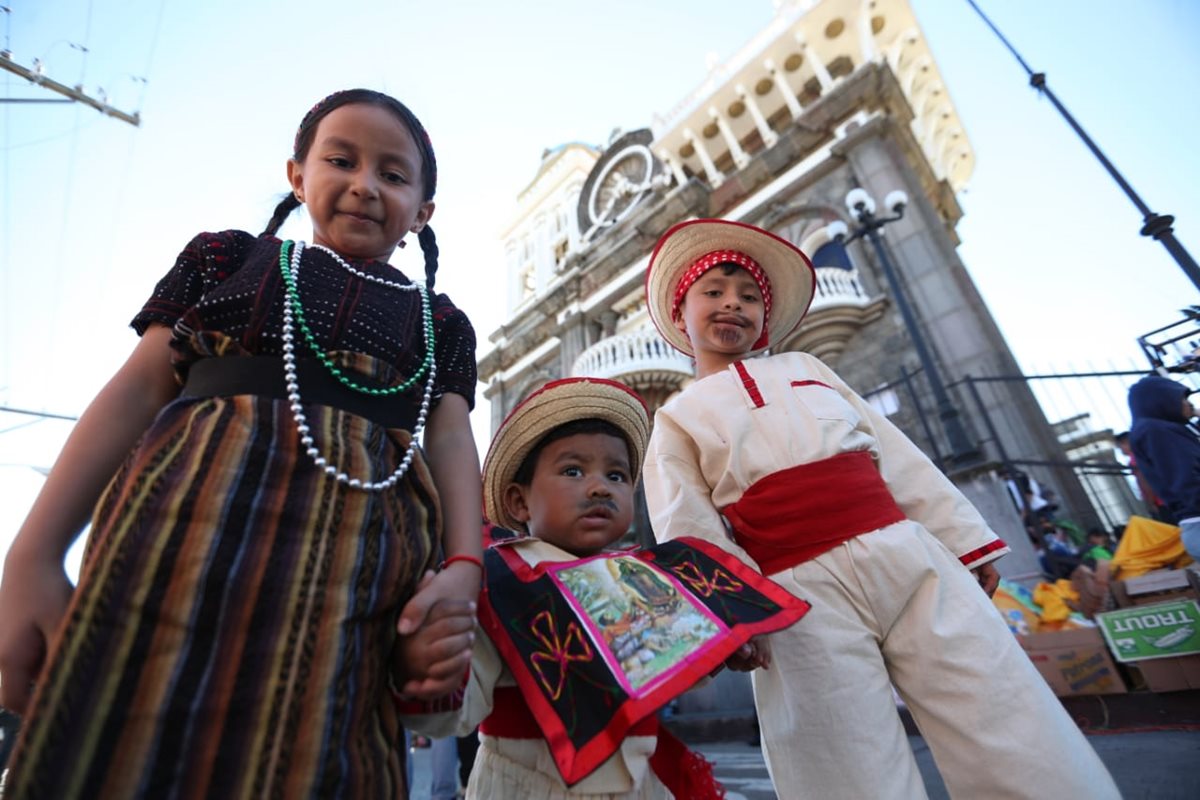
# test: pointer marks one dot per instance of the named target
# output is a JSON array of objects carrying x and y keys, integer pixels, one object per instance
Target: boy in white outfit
[{"x": 828, "y": 498}]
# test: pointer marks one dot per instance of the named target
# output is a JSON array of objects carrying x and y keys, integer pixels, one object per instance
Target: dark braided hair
[{"x": 304, "y": 139}]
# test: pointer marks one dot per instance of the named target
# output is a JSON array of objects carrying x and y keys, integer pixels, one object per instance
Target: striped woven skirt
[{"x": 232, "y": 633}]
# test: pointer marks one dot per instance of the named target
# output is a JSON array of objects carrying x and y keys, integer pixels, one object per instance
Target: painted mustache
[{"x": 606, "y": 505}]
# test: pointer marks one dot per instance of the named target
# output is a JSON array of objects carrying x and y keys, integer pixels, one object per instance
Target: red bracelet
[{"x": 468, "y": 559}]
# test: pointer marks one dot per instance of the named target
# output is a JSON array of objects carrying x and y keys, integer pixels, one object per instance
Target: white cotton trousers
[{"x": 895, "y": 607}]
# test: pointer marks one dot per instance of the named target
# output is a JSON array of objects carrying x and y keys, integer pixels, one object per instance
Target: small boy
[
  {"x": 579, "y": 646},
  {"x": 1099, "y": 547},
  {"x": 834, "y": 503},
  {"x": 1167, "y": 450}
]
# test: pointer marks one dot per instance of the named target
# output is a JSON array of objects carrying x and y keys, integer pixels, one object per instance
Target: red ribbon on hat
[{"x": 715, "y": 258}]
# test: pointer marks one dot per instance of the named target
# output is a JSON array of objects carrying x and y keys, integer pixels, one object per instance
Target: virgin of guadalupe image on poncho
[{"x": 642, "y": 621}]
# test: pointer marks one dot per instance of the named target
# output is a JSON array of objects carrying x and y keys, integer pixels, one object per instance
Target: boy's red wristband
[{"x": 468, "y": 559}]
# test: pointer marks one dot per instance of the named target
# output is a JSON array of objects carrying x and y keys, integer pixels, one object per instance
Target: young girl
[{"x": 232, "y": 632}]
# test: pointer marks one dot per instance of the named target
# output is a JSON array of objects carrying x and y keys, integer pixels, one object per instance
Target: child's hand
[
  {"x": 752, "y": 655},
  {"x": 458, "y": 581},
  {"x": 988, "y": 577},
  {"x": 436, "y": 655},
  {"x": 33, "y": 599}
]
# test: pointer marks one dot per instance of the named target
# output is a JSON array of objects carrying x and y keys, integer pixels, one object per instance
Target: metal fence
[{"x": 1075, "y": 455}]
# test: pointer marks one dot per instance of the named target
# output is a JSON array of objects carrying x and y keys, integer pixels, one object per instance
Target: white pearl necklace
[
  {"x": 293, "y": 388},
  {"x": 404, "y": 287}
]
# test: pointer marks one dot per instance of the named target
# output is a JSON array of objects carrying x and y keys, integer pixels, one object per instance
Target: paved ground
[{"x": 1147, "y": 765}]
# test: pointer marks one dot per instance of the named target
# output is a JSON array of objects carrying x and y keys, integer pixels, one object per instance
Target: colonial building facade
[{"x": 828, "y": 97}]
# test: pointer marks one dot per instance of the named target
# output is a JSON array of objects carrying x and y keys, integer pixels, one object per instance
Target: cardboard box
[
  {"x": 1170, "y": 674},
  {"x": 1074, "y": 662},
  {"x": 1155, "y": 587},
  {"x": 1162, "y": 641}
]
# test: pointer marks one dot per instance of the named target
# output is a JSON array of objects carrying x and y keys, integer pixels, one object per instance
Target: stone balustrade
[
  {"x": 629, "y": 355},
  {"x": 643, "y": 357},
  {"x": 838, "y": 287}
]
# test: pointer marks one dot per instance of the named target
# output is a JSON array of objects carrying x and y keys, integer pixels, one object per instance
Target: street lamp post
[
  {"x": 862, "y": 208},
  {"x": 1156, "y": 226}
]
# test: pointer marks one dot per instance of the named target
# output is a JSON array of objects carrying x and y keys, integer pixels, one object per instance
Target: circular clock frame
[{"x": 620, "y": 185}]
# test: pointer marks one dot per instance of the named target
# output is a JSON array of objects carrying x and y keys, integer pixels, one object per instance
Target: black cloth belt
[{"x": 263, "y": 376}]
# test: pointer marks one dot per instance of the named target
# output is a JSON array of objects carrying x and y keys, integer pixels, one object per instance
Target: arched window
[{"x": 832, "y": 254}]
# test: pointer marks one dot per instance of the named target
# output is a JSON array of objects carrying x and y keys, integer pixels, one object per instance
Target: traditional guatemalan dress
[
  {"x": 231, "y": 635},
  {"x": 831, "y": 500}
]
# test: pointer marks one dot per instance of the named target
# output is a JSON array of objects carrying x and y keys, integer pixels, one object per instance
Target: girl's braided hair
[{"x": 304, "y": 139}]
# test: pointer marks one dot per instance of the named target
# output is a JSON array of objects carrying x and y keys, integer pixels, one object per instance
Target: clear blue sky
[{"x": 92, "y": 210}]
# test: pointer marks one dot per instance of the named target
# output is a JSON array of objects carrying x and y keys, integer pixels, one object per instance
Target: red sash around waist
[
  {"x": 512, "y": 719},
  {"x": 686, "y": 774},
  {"x": 796, "y": 514}
]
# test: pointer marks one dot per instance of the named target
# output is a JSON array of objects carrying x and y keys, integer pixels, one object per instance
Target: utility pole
[
  {"x": 74, "y": 93},
  {"x": 1156, "y": 226}
]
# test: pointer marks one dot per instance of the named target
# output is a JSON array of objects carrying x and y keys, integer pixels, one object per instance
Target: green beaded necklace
[{"x": 290, "y": 274}]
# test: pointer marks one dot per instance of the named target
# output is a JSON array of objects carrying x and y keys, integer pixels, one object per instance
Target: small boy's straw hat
[
  {"x": 555, "y": 404},
  {"x": 788, "y": 270}
]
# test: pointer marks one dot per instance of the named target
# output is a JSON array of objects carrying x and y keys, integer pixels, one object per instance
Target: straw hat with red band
[
  {"x": 555, "y": 404},
  {"x": 690, "y": 248}
]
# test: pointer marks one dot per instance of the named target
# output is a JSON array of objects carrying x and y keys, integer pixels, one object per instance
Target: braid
[
  {"x": 429, "y": 247},
  {"x": 282, "y": 211}
]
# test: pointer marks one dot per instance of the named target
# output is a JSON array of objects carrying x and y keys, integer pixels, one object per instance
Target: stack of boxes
[
  {"x": 1150, "y": 640},
  {"x": 1156, "y": 627}
]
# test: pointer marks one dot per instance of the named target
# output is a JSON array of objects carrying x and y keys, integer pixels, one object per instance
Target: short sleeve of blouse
[
  {"x": 454, "y": 350},
  {"x": 207, "y": 260}
]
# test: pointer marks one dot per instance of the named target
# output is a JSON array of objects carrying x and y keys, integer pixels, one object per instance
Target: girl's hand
[
  {"x": 33, "y": 600},
  {"x": 436, "y": 656},
  {"x": 460, "y": 580}
]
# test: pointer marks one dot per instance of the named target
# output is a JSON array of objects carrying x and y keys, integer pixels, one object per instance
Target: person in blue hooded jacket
[{"x": 1168, "y": 451}]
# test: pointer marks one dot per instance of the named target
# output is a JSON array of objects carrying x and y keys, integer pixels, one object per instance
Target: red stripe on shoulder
[
  {"x": 751, "y": 386},
  {"x": 811, "y": 383}
]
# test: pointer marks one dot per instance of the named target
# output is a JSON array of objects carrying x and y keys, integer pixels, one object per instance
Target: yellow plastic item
[
  {"x": 1053, "y": 597},
  {"x": 1148, "y": 545}
]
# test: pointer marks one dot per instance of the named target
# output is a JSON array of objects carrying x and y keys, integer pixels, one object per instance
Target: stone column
[
  {"x": 769, "y": 136},
  {"x": 810, "y": 55},
  {"x": 715, "y": 176},
  {"x": 866, "y": 39},
  {"x": 673, "y": 165},
  {"x": 789, "y": 97},
  {"x": 735, "y": 148}
]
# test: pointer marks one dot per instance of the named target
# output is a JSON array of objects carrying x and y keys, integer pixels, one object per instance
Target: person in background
[
  {"x": 443, "y": 766},
  {"x": 1099, "y": 547},
  {"x": 1167, "y": 450},
  {"x": 1154, "y": 504}
]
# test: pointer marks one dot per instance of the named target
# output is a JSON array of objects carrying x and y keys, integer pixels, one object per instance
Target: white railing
[
  {"x": 644, "y": 351},
  {"x": 838, "y": 287},
  {"x": 629, "y": 354}
]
